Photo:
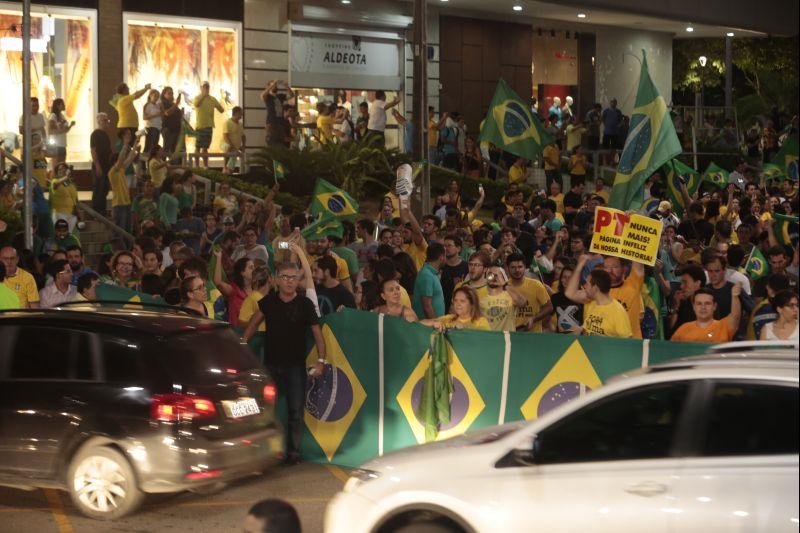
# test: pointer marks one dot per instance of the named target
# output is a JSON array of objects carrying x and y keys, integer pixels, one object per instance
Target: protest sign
[{"x": 633, "y": 237}]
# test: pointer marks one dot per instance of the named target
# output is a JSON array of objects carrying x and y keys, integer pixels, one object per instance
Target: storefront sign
[
  {"x": 633, "y": 237},
  {"x": 339, "y": 61}
]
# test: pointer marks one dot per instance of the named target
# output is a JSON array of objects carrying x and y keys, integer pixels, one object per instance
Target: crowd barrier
[{"x": 364, "y": 404}]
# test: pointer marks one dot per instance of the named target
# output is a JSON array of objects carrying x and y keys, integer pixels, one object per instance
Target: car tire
[{"x": 102, "y": 483}]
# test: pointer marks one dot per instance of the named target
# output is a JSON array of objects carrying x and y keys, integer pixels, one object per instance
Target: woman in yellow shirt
[
  {"x": 466, "y": 313},
  {"x": 260, "y": 287},
  {"x": 64, "y": 196}
]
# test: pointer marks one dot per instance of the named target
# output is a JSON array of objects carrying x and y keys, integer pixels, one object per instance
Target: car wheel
[{"x": 102, "y": 484}]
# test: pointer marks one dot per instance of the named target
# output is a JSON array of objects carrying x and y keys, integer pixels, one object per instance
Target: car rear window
[{"x": 201, "y": 356}]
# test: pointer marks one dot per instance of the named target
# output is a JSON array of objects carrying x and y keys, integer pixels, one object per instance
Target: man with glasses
[
  {"x": 19, "y": 280},
  {"x": 61, "y": 290},
  {"x": 250, "y": 247},
  {"x": 289, "y": 317}
]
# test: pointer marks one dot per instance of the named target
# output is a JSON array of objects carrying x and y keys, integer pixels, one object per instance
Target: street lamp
[
  {"x": 700, "y": 96},
  {"x": 703, "y": 60}
]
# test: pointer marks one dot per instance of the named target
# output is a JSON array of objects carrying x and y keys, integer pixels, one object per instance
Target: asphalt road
[{"x": 308, "y": 487}]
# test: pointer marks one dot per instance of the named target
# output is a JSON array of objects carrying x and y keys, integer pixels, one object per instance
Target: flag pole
[{"x": 27, "y": 152}]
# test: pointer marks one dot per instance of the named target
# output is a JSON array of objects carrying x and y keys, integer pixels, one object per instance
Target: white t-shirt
[
  {"x": 377, "y": 116},
  {"x": 151, "y": 108},
  {"x": 57, "y": 139},
  {"x": 38, "y": 125},
  {"x": 345, "y": 128}
]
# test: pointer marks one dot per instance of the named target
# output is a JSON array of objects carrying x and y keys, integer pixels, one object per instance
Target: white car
[{"x": 701, "y": 444}]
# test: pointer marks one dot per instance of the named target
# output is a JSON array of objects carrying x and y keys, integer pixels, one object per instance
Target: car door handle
[{"x": 646, "y": 488}]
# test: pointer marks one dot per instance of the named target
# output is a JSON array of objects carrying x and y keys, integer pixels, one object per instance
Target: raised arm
[
  {"x": 224, "y": 288},
  {"x": 407, "y": 216},
  {"x": 479, "y": 203},
  {"x": 736, "y": 308},
  {"x": 392, "y": 104},
  {"x": 138, "y": 94},
  {"x": 573, "y": 291}
]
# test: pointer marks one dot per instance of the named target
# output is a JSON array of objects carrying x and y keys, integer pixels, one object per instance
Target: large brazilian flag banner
[{"x": 367, "y": 401}]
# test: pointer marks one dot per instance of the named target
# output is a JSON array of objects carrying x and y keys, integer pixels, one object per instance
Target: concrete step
[{"x": 95, "y": 236}]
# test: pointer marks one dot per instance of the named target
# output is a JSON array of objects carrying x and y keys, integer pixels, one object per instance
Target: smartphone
[{"x": 283, "y": 245}]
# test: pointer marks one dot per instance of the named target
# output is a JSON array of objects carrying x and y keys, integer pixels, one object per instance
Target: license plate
[{"x": 241, "y": 408}]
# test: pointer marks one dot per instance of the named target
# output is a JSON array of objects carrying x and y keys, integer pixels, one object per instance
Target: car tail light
[
  {"x": 203, "y": 475},
  {"x": 177, "y": 407},
  {"x": 269, "y": 393}
]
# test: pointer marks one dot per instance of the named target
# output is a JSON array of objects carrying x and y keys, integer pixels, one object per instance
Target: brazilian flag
[
  {"x": 332, "y": 200},
  {"x": 678, "y": 173},
  {"x": 279, "y": 170},
  {"x": 787, "y": 156},
  {"x": 785, "y": 230},
  {"x": 772, "y": 172},
  {"x": 113, "y": 293},
  {"x": 716, "y": 175},
  {"x": 651, "y": 142},
  {"x": 512, "y": 126},
  {"x": 437, "y": 389},
  {"x": 757, "y": 266},
  {"x": 327, "y": 225}
]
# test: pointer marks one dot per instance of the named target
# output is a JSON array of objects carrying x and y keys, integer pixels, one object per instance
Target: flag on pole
[
  {"x": 437, "y": 387},
  {"x": 651, "y": 142},
  {"x": 785, "y": 230},
  {"x": 512, "y": 126},
  {"x": 787, "y": 157},
  {"x": 757, "y": 266},
  {"x": 327, "y": 225},
  {"x": 772, "y": 172},
  {"x": 678, "y": 173},
  {"x": 716, "y": 175},
  {"x": 278, "y": 170},
  {"x": 330, "y": 199}
]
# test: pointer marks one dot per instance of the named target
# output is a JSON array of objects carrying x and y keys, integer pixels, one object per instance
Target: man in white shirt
[
  {"x": 377, "y": 113},
  {"x": 61, "y": 290},
  {"x": 38, "y": 122},
  {"x": 737, "y": 176},
  {"x": 250, "y": 247}
]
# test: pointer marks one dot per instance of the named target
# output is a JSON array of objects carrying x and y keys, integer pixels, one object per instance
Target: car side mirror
[{"x": 524, "y": 455}]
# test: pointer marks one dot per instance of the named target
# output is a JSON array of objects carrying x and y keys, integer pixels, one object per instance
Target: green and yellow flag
[
  {"x": 787, "y": 157},
  {"x": 434, "y": 406},
  {"x": 772, "y": 172},
  {"x": 327, "y": 225},
  {"x": 651, "y": 142},
  {"x": 330, "y": 199},
  {"x": 716, "y": 175},
  {"x": 785, "y": 230},
  {"x": 757, "y": 266},
  {"x": 678, "y": 174},
  {"x": 278, "y": 170},
  {"x": 113, "y": 293},
  {"x": 512, "y": 126}
]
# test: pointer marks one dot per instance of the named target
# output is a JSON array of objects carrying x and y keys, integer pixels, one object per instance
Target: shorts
[
  {"x": 610, "y": 141},
  {"x": 204, "y": 137}
]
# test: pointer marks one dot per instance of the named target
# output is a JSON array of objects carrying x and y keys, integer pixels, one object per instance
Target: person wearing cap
[
  {"x": 737, "y": 176},
  {"x": 665, "y": 215},
  {"x": 62, "y": 239}
]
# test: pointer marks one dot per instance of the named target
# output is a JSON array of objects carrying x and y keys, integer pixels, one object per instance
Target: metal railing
[
  {"x": 129, "y": 238},
  {"x": 197, "y": 157}
]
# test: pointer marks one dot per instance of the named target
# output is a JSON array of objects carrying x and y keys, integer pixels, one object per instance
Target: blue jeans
[
  {"x": 292, "y": 383},
  {"x": 122, "y": 216}
]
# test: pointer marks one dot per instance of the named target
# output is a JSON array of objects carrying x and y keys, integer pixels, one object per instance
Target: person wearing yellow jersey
[
  {"x": 121, "y": 194},
  {"x": 233, "y": 138},
  {"x": 127, "y": 117},
  {"x": 500, "y": 301},
  {"x": 204, "y": 105},
  {"x": 537, "y": 302},
  {"x": 519, "y": 173},
  {"x": 260, "y": 288},
  {"x": 552, "y": 164},
  {"x": 157, "y": 165},
  {"x": 18, "y": 280},
  {"x": 415, "y": 244},
  {"x": 322, "y": 247},
  {"x": 64, "y": 196},
  {"x": 385, "y": 269},
  {"x": 466, "y": 313},
  {"x": 602, "y": 314},
  {"x": 577, "y": 166},
  {"x": 600, "y": 190},
  {"x": 557, "y": 196},
  {"x": 627, "y": 279},
  {"x": 324, "y": 123}
]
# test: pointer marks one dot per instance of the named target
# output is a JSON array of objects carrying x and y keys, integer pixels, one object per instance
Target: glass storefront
[
  {"x": 183, "y": 54},
  {"x": 63, "y": 65}
]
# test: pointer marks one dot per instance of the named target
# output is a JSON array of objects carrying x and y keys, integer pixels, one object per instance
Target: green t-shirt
[
  {"x": 145, "y": 208},
  {"x": 428, "y": 284},
  {"x": 184, "y": 199},
  {"x": 8, "y": 298}
]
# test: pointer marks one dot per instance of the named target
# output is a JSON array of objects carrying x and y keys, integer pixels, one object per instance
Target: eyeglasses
[{"x": 284, "y": 277}]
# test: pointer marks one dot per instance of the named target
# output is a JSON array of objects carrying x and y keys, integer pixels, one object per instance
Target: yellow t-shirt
[
  {"x": 516, "y": 175},
  {"x": 535, "y": 292},
  {"x": 559, "y": 200},
  {"x": 204, "y": 117},
  {"x": 629, "y": 294},
  {"x": 64, "y": 198},
  {"x": 604, "y": 194},
  {"x": 157, "y": 175},
  {"x": 433, "y": 133},
  {"x": 499, "y": 311},
  {"x": 40, "y": 170},
  {"x": 325, "y": 127},
  {"x": 24, "y": 286},
  {"x": 417, "y": 253},
  {"x": 479, "y": 323},
  {"x": 405, "y": 299},
  {"x": 126, "y": 113},
  {"x": 249, "y": 308},
  {"x": 578, "y": 163},
  {"x": 608, "y": 320},
  {"x": 551, "y": 157},
  {"x": 119, "y": 186},
  {"x": 235, "y": 132},
  {"x": 718, "y": 331},
  {"x": 342, "y": 271}
]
